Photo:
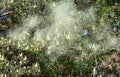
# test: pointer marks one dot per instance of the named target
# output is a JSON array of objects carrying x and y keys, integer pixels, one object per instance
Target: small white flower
[
  {"x": 34, "y": 6},
  {"x": 21, "y": 62},
  {"x": 20, "y": 54},
  {"x": 27, "y": 47},
  {"x": 54, "y": 5},
  {"x": 67, "y": 37},
  {"x": 57, "y": 42},
  {"x": 79, "y": 12},
  {"x": 36, "y": 65},
  {"x": 2, "y": 57},
  {"x": 93, "y": 46},
  {"x": 7, "y": 64},
  {"x": 48, "y": 38},
  {"x": 25, "y": 58},
  {"x": 17, "y": 70}
]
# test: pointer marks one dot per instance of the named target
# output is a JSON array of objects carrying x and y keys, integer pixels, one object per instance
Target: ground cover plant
[{"x": 59, "y": 38}]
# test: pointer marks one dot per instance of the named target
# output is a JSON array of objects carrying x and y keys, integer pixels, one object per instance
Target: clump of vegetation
[{"x": 55, "y": 38}]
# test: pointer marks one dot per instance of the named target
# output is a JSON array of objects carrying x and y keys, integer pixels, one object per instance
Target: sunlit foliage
[{"x": 39, "y": 40}]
